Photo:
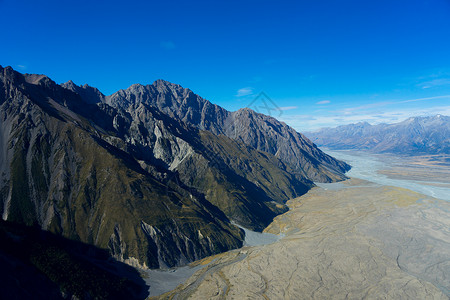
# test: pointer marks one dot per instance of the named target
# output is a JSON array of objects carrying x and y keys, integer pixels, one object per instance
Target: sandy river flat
[
  {"x": 378, "y": 235},
  {"x": 350, "y": 240}
]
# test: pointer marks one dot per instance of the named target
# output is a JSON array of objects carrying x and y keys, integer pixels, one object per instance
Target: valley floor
[{"x": 350, "y": 240}]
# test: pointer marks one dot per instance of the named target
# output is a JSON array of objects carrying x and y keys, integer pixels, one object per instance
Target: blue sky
[{"x": 322, "y": 63}]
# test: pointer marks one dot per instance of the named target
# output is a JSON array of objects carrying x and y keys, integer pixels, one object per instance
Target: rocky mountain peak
[
  {"x": 256, "y": 130},
  {"x": 14, "y": 77},
  {"x": 69, "y": 83},
  {"x": 38, "y": 79},
  {"x": 89, "y": 94},
  {"x": 163, "y": 86},
  {"x": 161, "y": 83},
  {"x": 245, "y": 110},
  {"x": 7, "y": 70}
]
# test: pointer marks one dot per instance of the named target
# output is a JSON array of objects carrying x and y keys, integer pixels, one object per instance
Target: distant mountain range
[
  {"x": 414, "y": 136},
  {"x": 155, "y": 174}
]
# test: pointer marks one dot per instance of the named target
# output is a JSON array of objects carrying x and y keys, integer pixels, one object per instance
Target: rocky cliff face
[
  {"x": 254, "y": 129},
  {"x": 60, "y": 170},
  {"x": 241, "y": 181},
  {"x": 130, "y": 178},
  {"x": 416, "y": 135}
]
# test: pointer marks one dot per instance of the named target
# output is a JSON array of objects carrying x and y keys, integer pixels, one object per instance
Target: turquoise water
[{"x": 365, "y": 166}]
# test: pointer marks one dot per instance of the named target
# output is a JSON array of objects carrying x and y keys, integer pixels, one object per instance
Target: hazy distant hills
[
  {"x": 416, "y": 135},
  {"x": 146, "y": 174}
]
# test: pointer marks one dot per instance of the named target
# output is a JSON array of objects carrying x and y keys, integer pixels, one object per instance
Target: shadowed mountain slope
[
  {"x": 37, "y": 264},
  {"x": 152, "y": 190}
]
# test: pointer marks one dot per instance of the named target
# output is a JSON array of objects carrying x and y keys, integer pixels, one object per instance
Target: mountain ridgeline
[
  {"x": 414, "y": 136},
  {"x": 155, "y": 174},
  {"x": 257, "y": 130}
]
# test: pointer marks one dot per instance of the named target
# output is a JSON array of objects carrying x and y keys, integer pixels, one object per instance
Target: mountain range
[
  {"x": 414, "y": 136},
  {"x": 257, "y": 130},
  {"x": 154, "y": 174}
]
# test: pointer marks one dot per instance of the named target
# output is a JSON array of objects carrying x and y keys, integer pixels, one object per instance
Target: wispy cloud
[
  {"x": 22, "y": 67},
  {"x": 349, "y": 110},
  {"x": 390, "y": 111},
  {"x": 436, "y": 79},
  {"x": 244, "y": 92},
  {"x": 169, "y": 45},
  {"x": 434, "y": 83},
  {"x": 424, "y": 99},
  {"x": 323, "y": 102},
  {"x": 284, "y": 108},
  {"x": 310, "y": 123}
]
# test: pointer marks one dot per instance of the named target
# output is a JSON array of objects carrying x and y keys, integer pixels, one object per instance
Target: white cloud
[
  {"x": 311, "y": 123},
  {"x": 167, "y": 45},
  {"x": 323, "y": 102},
  {"x": 21, "y": 67},
  {"x": 283, "y": 108},
  {"x": 388, "y": 111},
  {"x": 434, "y": 83},
  {"x": 424, "y": 99},
  {"x": 244, "y": 92},
  {"x": 351, "y": 110}
]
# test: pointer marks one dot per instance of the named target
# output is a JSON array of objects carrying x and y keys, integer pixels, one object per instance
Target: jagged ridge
[
  {"x": 58, "y": 171},
  {"x": 151, "y": 189},
  {"x": 262, "y": 132}
]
